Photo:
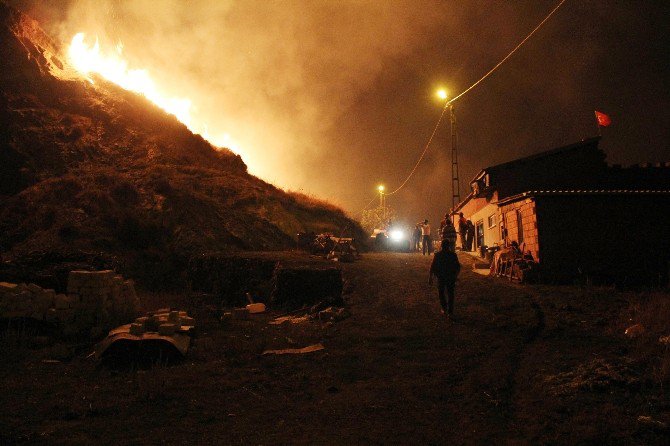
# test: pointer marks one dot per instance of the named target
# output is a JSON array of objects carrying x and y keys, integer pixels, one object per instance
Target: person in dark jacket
[
  {"x": 445, "y": 267},
  {"x": 416, "y": 242},
  {"x": 469, "y": 235}
]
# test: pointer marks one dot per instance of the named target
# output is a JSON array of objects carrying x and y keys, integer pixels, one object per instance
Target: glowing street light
[
  {"x": 382, "y": 208},
  {"x": 455, "y": 185}
]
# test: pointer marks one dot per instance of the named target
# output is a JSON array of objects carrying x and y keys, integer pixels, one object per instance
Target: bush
[
  {"x": 140, "y": 233},
  {"x": 125, "y": 193}
]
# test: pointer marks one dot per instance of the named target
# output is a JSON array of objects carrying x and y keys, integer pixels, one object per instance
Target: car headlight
[{"x": 397, "y": 235}]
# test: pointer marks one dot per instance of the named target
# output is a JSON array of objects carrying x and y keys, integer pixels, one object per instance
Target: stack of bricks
[
  {"x": 101, "y": 299},
  {"x": 21, "y": 300},
  {"x": 95, "y": 301}
]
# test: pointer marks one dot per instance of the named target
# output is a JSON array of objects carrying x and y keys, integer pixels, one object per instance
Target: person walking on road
[
  {"x": 425, "y": 232},
  {"x": 448, "y": 232},
  {"x": 445, "y": 267}
]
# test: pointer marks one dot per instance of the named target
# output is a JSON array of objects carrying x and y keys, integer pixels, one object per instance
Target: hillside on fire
[{"x": 91, "y": 170}]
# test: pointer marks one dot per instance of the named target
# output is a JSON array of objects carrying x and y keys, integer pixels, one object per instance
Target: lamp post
[
  {"x": 455, "y": 185},
  {"x": 382, "y": 207}
]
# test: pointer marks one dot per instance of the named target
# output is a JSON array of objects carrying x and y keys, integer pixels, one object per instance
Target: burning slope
[{"x": 93, "y": 167}]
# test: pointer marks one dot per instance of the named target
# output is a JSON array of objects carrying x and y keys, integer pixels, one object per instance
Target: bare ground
[{"x": 519, "y": 365}]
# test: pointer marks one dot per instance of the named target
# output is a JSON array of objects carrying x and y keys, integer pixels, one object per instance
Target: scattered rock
[
  {"x": 634, "y": 330},
  {"x": 594, "y": 376},
  {"x": 665, "y": 340},
  {"x": 333, "y": 314},
  {"x": 650, "y": 423}
]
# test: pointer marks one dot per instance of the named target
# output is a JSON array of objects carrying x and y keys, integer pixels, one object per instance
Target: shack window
[
  {"x": 519, "y": 227},
  {"x": 492, "y": 220}
]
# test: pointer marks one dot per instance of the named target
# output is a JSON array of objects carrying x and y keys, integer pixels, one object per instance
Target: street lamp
[
  {"x": 455, "y": 186},
  {"x": 382, "y": 208}
]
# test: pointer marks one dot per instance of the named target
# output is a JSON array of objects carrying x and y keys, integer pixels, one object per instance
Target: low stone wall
[
  {"x": 95, "y": 302},
  {"x": 294, "y": 287}
]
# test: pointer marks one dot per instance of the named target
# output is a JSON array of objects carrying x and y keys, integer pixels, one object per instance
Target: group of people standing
[
  {"x": 466, "y": 231},
  {"x": 422, "y": 240}
]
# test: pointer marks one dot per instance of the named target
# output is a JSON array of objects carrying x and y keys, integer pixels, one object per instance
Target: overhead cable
[{"x": 448, "y": 103}]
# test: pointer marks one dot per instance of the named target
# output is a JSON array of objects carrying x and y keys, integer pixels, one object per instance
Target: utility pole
[
  {"x": 382, "y": 205},
  {"x": 455, "y": 185}
]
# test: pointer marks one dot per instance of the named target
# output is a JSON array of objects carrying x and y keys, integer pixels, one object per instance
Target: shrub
[{"x": 125, "y": 193}]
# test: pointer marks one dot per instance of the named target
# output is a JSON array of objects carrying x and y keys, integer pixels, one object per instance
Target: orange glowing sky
[{"x": 334, "y": 98}]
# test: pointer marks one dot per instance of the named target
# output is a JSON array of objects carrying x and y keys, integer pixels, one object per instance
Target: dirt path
[{"x": 393, "y": 373}]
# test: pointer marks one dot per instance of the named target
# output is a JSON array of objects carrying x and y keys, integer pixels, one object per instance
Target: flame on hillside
[{"x": 89, "y": 59}]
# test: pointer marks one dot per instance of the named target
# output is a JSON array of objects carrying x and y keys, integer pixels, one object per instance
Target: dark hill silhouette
[{"x": 92, "y": 168}]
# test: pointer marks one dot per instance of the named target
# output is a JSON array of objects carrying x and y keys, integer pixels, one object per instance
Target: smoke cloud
[{"x": 335, "y": 97}]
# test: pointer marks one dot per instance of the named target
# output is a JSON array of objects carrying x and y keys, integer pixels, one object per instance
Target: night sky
[{"x": 334, "y": 98}]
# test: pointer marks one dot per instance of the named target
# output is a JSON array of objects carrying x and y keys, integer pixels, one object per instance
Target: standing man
[
  {"x": 469, "y": 235},
  {"x": 462, "y": 229},
  {"x": 445, "y": 267},
  {"x": 417, "y": 236},
  {"x": 425, "y": 232}
]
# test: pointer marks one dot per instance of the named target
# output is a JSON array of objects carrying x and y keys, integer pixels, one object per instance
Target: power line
[
  {"x": 510, "y": 54},
  {"x": 448, "y": 103}
]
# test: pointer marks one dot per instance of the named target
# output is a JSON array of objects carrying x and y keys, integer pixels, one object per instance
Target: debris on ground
[
  {"x": 291, "y": 319},
  {"x": 163, "y": 335},
  {"x": 665, "y": 340},
  {"x": 256, "y": 308},
  {"x": 594, "y": 376},
  {"x": 226, "y": 318},
  {"x": 343, "y": 251},
  {"x": 650, "y": 423},
  {"x": 295, "y": 351},
  {"x": 634, "y": 330},
  {"x": 332, "y": 314}
]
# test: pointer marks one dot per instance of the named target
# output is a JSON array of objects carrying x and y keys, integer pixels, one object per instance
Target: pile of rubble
[
  {"x": 597, "y": 375},
  {"x": 95, "y": 301}
]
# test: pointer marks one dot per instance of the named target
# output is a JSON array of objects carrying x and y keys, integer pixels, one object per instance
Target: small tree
[{"x": 376, "y": 218}]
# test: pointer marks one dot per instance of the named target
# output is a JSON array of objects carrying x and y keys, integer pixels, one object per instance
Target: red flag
[{"x": 603, "y": 119}]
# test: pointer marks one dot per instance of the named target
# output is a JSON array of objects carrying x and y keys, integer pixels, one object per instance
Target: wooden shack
[{"x": 576, "y": 215}]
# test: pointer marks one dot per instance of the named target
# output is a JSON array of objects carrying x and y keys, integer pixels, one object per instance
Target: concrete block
[
  {"x": 34, "y": 288},
  {"x": 44, "y": 301},
  {"x": 90, "y": 278},
  {"x": 167, "y": 329},
  {"x": 51, "y": 315},
  {"x": 137, "y": 329},
  {"x": 6, "y": 287},
  {"x": 65, "y": 315},
  {"x": 189, "y": 321},
  {"x": 62, "y": 301}
]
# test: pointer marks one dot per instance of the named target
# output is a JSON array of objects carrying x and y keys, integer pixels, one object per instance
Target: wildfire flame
[{"x": 89, "y": 59}]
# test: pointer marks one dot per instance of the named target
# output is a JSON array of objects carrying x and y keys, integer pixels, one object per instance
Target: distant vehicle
[{"x": 394, "y": 239}]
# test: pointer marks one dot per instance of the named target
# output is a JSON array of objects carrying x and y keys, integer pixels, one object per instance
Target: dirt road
[{"x": 519, "y": 364}]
